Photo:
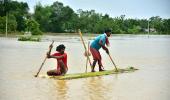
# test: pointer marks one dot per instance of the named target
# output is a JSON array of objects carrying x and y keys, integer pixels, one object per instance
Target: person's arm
[
  {"x": 103, "y": 46},
  {"x": 57, "y": 57},
  {"x": 52, "y": 56}
]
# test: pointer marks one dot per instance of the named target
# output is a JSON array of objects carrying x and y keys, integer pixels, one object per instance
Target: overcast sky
[{"x": 130, "y": 8}]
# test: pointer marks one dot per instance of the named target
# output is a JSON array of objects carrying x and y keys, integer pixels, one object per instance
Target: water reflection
[
  {"x": 61, "y": 89},
  {"x": 96, "y": 88}
]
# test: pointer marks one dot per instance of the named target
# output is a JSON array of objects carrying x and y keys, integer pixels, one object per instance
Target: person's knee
[
  {"x": 64, "y": 72},
  {"x": 49, "y": 73}
]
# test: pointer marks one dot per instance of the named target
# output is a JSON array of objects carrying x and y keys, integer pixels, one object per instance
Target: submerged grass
[{"x": 93, "y": 74}]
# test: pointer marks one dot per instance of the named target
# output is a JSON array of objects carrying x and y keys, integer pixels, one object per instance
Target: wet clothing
[
  {"x": 94, "y": 49},
  {"x": 95, "y": 43},
  {"x": 95, "y": 46},
  {"x": 60, "y": 70},
  {"x": 96, "y": 55},
  {"x": 64, "y": 59}
]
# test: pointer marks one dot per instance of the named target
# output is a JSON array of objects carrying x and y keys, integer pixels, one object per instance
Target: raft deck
[{"x": 90, "y": 74}]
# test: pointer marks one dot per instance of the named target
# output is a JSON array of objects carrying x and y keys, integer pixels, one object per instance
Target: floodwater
[{"x": 20, "y": 61}]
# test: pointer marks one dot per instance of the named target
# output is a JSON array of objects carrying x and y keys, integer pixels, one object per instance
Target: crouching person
[{"x": 61, "y": 58}]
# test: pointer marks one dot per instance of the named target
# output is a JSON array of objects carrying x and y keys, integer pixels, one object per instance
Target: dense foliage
[{"x": 57, "y": 18}]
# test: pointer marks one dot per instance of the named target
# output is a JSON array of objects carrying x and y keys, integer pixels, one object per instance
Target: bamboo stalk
[
  {"x": 43, "y": 61},
  {"x": 91, "y": 74},
  {"x": 81, "y": 37},
  {"x": 87, "y": 55},
  {"x": 112, "y": 62}
]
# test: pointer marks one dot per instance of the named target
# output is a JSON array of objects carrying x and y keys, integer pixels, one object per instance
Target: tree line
[{"x": 57, "y": 18}]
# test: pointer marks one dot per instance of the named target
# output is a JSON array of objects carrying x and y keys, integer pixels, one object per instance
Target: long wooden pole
[
  {"x": 87, "y": 55},
  {"x": 112, "y": 62},
  {"x": 81, "y": 37},
  {"x": 43, "y": 61}
]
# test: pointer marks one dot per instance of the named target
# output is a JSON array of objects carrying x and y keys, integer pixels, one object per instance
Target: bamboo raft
[{"x": 90, "y": 74}]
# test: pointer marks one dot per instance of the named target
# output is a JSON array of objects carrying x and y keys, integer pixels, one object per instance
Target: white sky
[{"x": 130, "y": 8}]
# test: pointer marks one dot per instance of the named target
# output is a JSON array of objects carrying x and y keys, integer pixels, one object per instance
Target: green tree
[
  {"x": 105, "y": 23},
  {"x": 156, "y": 23},
  {"x": 42, "y": 16},
  {"x": 12, "y": 24},
  {"x": 88, "y": 20},
  {"x": 5, "y": 7},
  {"x": 60, "y": 17},
  {"x": 33, "y": 27},
  {"x": 16, "y": 9},
  {"x": 117, "y": 25},
  {"x": 20, "y": 11},
  {"x": 134, "y": 30},
  {"x": 166, "y": 26},
  {"x": 2, "y": 24}
]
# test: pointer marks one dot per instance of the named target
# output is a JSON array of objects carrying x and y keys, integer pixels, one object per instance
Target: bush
[
  {"x": 36, "y": 32},
  {"x": 29, "y": 38}
]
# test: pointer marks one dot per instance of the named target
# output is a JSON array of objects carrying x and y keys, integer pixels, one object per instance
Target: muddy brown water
[{"x": 19, "y": 61}]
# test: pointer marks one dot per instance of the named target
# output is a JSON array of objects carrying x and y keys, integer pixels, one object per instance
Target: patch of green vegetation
[{"x": 29, "y": 38}]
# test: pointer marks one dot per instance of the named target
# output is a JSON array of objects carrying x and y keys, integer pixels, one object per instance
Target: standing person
[
  {"x": 61, "y": 58},
  {"x": 96, "y": 44}
]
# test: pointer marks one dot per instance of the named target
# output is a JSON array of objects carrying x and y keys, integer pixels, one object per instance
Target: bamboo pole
[
  {"x": 87, "y": 55},
  {"x": 81, "y": 37},
  {"x": 43, "y": 61},
  {"x": 113, "y": 62}
]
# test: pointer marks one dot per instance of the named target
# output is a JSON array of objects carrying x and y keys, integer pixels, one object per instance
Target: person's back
[{"x": 95, "y": 43}]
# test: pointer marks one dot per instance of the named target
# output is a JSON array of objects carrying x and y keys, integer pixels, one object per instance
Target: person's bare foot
[
  {"x": 101, "y": 70},
  {"x": 93, "y": 71}
]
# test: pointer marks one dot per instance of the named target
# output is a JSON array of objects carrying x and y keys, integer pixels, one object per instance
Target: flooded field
[{"x": 20, "y": 61}]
